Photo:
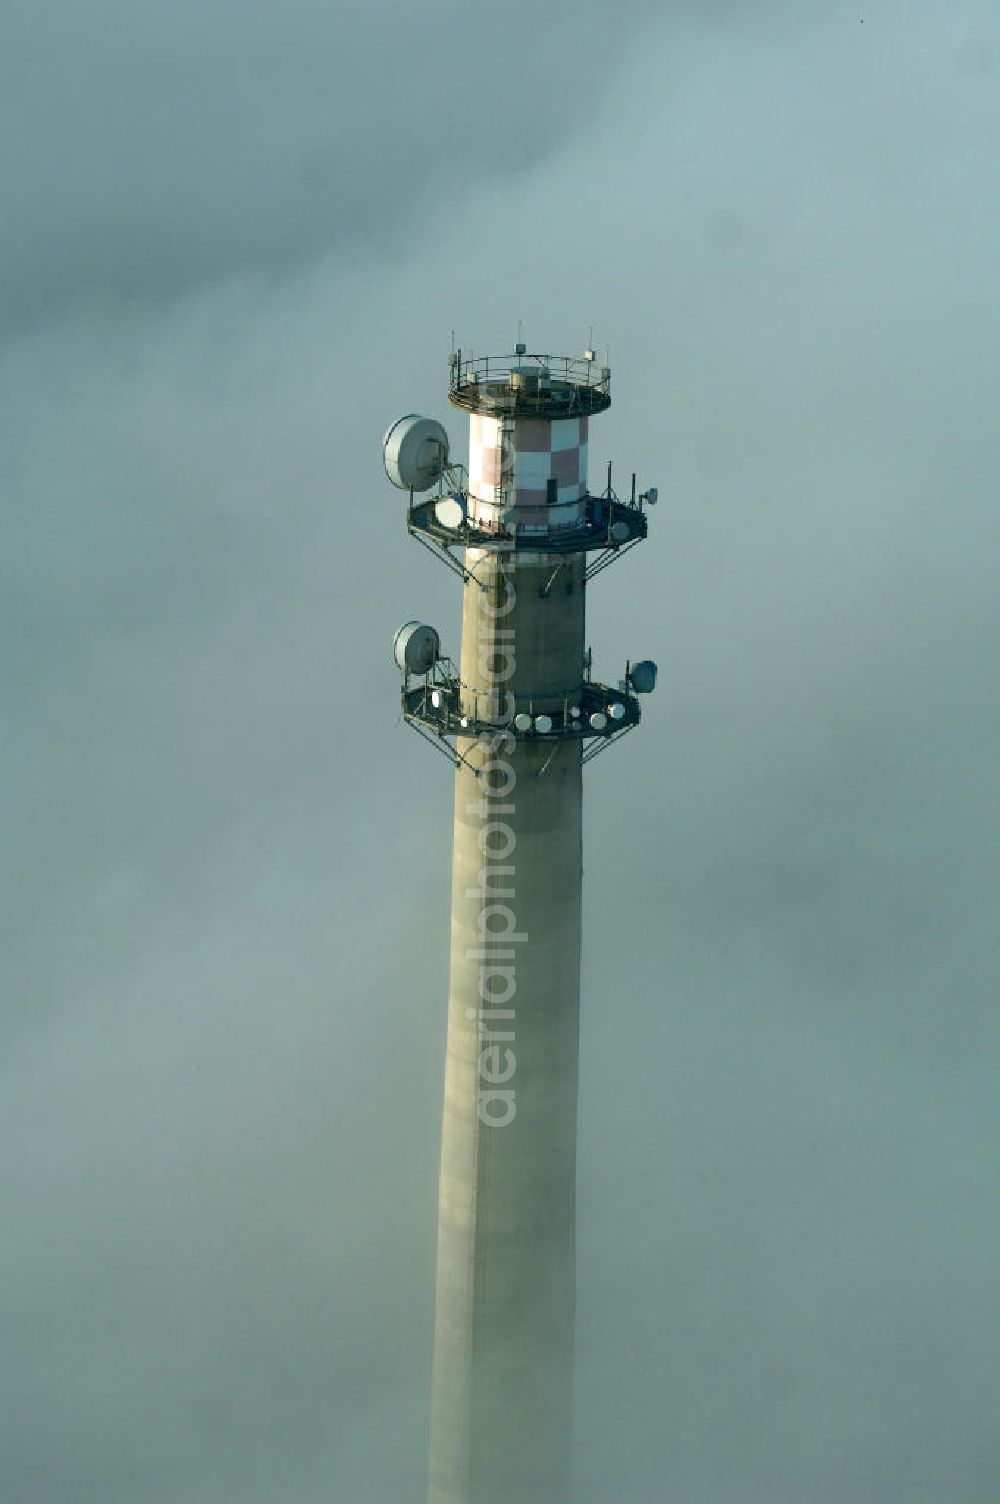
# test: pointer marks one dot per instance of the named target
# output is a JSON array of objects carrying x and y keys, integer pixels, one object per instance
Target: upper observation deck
[{"x": 529, "y": 386}]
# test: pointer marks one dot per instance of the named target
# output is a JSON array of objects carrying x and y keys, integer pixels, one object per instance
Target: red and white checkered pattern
[{"x": 512, "y": 461}]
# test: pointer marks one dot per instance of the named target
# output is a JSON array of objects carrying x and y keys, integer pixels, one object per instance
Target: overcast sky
[{"x": 234, "y": 242}]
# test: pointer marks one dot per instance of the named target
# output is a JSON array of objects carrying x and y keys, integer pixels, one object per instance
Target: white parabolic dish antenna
[
  {"x": 416, "y": 647},
  {"x": 415, "y": 452},
  {"x": 450, "y": 512}
]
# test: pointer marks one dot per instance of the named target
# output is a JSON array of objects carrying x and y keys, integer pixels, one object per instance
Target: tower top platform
[{"x": 529, "y": 386}]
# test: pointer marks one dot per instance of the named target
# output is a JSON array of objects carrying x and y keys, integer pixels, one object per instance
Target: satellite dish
[
  {"x": 598, "y": 720},
  {"x": 449, "y": 511},
  {"x": 522, "y": 722},
  {"x": 416, "y": 648},
  {"x": 620, "y": 531},
  {"x": 643, "y": 677},
  {"x": 415, "y": 452},
  {"x": 543, "y": 723},
  {"x": 616, "y": 711}
]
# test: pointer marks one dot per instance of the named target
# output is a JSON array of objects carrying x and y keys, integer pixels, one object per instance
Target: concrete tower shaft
[{"x": 505, "y": 1287}]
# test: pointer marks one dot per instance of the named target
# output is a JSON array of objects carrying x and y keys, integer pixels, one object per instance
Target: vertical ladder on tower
[{"x": 505, "y": 463}]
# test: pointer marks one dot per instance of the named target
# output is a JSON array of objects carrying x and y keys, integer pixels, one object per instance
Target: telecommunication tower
[{"x": 519, "y": 715}]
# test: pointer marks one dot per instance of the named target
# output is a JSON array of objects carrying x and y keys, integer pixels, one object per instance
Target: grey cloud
[
  {"x": 225, "y": 863},
  {"x": 150, "y": 149}
]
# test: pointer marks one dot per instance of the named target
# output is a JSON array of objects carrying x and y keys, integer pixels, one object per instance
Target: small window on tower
[{"x": 552, "y": 490}]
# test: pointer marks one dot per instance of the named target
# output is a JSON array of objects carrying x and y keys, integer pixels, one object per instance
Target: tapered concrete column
[{"x": 502, "y": 1386}]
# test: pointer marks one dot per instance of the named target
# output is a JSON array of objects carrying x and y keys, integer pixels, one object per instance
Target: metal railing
[
  {"x": 529, "y": 383},
  {"x": 594, "y": 530},
  {"x": 446, "y": 706}
]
